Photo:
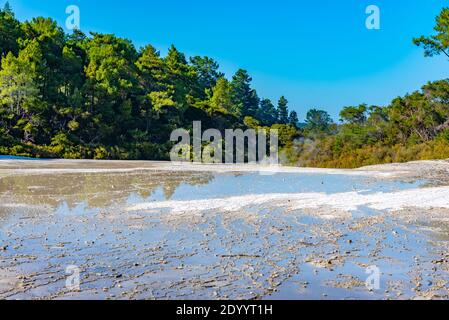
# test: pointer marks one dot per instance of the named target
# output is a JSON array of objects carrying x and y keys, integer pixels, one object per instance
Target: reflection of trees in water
[{"x": 96, "y": 189}]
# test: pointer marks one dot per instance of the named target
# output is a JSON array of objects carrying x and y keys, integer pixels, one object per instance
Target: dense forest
[
  {"x": 98, "y": 97},
  {"x": 77, "y": 96}
]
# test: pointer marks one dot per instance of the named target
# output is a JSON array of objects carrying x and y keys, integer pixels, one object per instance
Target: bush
[{"x": 101, "y": 153}]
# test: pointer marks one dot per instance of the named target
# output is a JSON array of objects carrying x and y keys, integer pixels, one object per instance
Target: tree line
[{"x": 97, "y": 96}]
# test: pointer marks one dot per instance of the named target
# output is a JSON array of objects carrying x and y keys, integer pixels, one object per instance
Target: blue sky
[{"x": 316, "y": 53}]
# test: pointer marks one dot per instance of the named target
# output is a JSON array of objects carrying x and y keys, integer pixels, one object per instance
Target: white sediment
[
  {"x": 25, "y": 167},
  {"x": 424, "y": 198}
]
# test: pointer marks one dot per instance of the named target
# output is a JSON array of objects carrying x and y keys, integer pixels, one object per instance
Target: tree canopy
[
  {"x": 438, "y": 43},
  {"x": 98, "y": 96}
]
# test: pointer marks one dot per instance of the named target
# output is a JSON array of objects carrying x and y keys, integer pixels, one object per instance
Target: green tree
[
  {"x": 182, "y": 78},
  {"x": 207, "y": 71},
  {"x": 19, "y": 90},
  {"x": 18, "y": 86},
  {"x": 438, "y": 94},
  {"x": 414, "y": 118},
  {"x": 268, "y": 114},
  {"x": 318, "y": 121},
  {"x": 283, "y": 110},
  {"x": 156, "y": 94},
  {"x": 293, "y": 119},
  {"x": 10, "y": 31},
  {"x": 438, "y": 43},
  {"x": 7, "y": 8},
  {"x": 221, "y": 99},
  {"x": 111, "y": 81},
  {"x": 354, "y": 115},
  {"x": 152, "y": 69},
  {"x": 244, "y": 97}
]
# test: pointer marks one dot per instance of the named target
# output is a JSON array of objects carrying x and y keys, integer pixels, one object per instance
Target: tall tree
[
  {"x": 10, "y": 31},
  {"x": 293, "y": 119},
  {"x": 19, "y": 89},
  {"x": 111, "y": 81},
  {"x": 152, "y": 69},
  {"x": 438, "y": 43},
  {"x": 221, "y": 99},
  {"x": 244, "y": 97},
  {"x": 51, "y": 40},
  {"x": 157, "y": 91},
  {"x": 268, "y": 114},
  {"x": 354, "y": 115},
  {"x": 318, "y": 121},
  {"x": 207, "y": 71},
  {"x": 283, "y": 110},
  {"x": 7, "y": 8},
  {"x": 182, "y": 77}
]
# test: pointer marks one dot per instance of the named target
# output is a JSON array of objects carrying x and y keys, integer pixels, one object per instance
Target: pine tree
[
  {"x": 182, "y": 77},
  {"x": 221, "y": 99},
  {"x": 293, "y": 119},
  {"x": 10, "y": 31},
  {"x": 268, "y": 114},
  {"x": 283, "y": 110},
  {"x": 7, "y": 9},
  {"x": 19, "y": 89},
  {"x": 207, "y": 72},
  {"x": 111, "y": 83},
  {"x": 244, "y": 97}
]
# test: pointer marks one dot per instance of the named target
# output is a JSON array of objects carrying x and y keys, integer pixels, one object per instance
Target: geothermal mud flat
[{"x": 153, "y": 230}]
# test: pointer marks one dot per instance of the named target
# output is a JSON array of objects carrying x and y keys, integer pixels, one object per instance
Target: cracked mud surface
[{"x": 91, "y": 219}]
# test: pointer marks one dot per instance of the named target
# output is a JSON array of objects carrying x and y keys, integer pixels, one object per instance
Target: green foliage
[
  {"x": 10, "y": 31},
  {"x": 77, "y": 96},
  {"x": 318, "y": 121},
  {"x": 354, "y": 115},
  {"x": 97, "y": 97},
  {"x": 268, "y": 114},
  {"x": 251, "y": 123},
  {"x": 207, "y": 72},
  {"x": 286, "y": 134},
  {"x": 414, "y": 127},
  {"x": 293, "y": 119},
  {"x": 438, "y": 43},
  {"x": 221, "y": 100},
  {"x": 244, "y": 97},
  {"x": 283, "y": 111}
]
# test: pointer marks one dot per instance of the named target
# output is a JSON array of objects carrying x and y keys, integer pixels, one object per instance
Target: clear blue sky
[{"x": 316, "y": 53}]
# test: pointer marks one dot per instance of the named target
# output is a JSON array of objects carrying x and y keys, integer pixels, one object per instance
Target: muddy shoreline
[{"x": 133, "y": 231}]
